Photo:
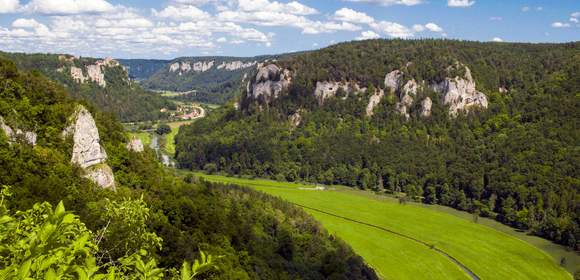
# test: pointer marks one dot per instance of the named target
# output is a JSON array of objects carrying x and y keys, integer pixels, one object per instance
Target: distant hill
[
  {"x": 210, "y": 79},
  {"x": 102, "y": 82},
  {"x": 490, "y": 128},
  {"x": 142, "y": 69}
]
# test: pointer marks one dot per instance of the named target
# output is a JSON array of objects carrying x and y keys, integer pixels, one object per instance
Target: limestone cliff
[
  {"x": 135, "y": 145},
  {"x": 87, "y": 150},
  {"x": 374, "y": 100},
  {"x": 15, "y": 135},
  {"x": 328, "y": 89},
  {"x": 268, "y": 84},
  {"x": 460, "y": 93},
  {"x": 92, "y": 72}
]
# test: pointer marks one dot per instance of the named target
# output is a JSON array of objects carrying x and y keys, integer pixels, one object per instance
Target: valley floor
[{"x": 410, "y": 241}]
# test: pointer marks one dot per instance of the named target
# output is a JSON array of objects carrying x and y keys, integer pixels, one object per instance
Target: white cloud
[
  {"x": 293, "y": 7},
  {"x": 497, "y": 39},
  {"x": 460, "y": 3},
  {"x": 346, "y": 14},
  {"x": 525, "y": 8},
  {"x": 389, "y": 2},
  {"x": 221, "y": 40},
  {"x": 9, "y": 6},
  {"x": 68, "y": 7},
  {"x": 433, "y": 27},
  {"x": 392, "y": 29},
  {"x": 367, "y": 35},
  {"x": 575, "y": 15},
  {"x": 181, "y": 13},
  {"x": 558, "y": 24},
  {"x": 539, "y": 8},
  {"x": 496, "y": 18},
  {"x": 418, "y": 28},
  {"x": 573, "y": 19}
]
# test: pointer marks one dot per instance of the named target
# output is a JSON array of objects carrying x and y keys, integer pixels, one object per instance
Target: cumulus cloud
[
  {"x": 497, "y": 39},
  {"x": 9, "y": 6},
  {"x": 389, "y": 2},
  {"x": 367, "y": 35},
  {"x": 429, "y": 26},
  {"x": 392, "y": 29},
  {"x": 496, "y": 18},
  {"x": 558, "y": 24},
  {"x": 67, "y": 7},
  {"x": 346, "y": 14},
  {"x": 181, "y": 13},
  {"x": 293, "y": 7},
  {"x": 460, "y": 3}
]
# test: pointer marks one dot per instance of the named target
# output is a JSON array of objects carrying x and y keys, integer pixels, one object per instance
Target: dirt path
[{"x": 430, "y": 246}]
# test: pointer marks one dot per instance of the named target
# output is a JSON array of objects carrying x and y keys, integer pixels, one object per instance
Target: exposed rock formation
[
  {"x": 268, "y": 84},
  {"x": 87, "y": 150},
  {"x": 174, "y": 67},
  {"x": 102, "y": 175},
  {"x": 393, "y": 80},
  {"x": 16, "y": 134},
  {"x": 406, "y": 97},
  {"x": 77, "y": 75},
  {"x": 202, "y": 66},
  {"x": 296, "y": 118},
  {"x": 135, "y": 145},
  {"x": 96, "y": 75},
  {"x": 235, "y": 65},
  {"x": 374, "y": 100},
  {"x": 328, "y": 89},
  {"x": 460, "y": 93},
  {"x": 426, "y": 106}
]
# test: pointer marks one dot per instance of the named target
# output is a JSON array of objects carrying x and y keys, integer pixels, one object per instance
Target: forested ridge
[
  {"x": 516, "y": 161},
  {"x": 122, "y": 97},
  {"x": 154, "y": 226}
]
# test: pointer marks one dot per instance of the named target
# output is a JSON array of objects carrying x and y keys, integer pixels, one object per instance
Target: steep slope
[
  {"x": 75, "y": 150},
  {"x": 142, "y": 69},
  {"x": 209, "y": 79},
  {"x": 104, "y": 83},
  {"x": 483, "y": 127}
]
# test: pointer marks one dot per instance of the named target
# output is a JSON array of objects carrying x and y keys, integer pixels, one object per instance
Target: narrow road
[{"x": 430, "y": 246}]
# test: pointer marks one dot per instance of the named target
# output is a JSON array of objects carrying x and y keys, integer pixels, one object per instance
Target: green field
[{"x": 487, "y": 252}]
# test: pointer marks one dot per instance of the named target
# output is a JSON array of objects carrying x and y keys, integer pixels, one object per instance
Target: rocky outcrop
[
  {"x": 87, "y": 150},
  {"x": 135, "y": 145},
  {"x": 406, "y": 97},
  {"x": 460, "y": 93},
  {"x": 426, "y": 106},
  {"x": 235, "y": 65},
  {"x": 102, "y": 175},
  {"x": 187, "y": 66},
  {"x": 174, "y": 67},
  {"x": 95, "y": 74},
  {"x": 328, "y": 89},
  {"x": 15, "y": 135},
  {"x": 296, "y": 118},
  {"x": 268, "y": 85},
  {"x": 374, "y": 100},
  {"x": 393, "y": 80}
]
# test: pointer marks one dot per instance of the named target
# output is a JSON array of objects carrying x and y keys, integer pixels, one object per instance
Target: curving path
[{"x": 430, "y": 246}]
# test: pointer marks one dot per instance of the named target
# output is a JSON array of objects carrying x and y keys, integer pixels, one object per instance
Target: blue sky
[{"x": 168, "y": 29}]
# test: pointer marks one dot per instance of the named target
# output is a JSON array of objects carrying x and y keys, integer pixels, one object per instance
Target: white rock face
[
  {"x": 426, "y": 106},
  {"x": 393, "y": 80},
  {"x": 295, "y": 119},
  {"x": 269, "y": 83},
  {"x": 374, "y": 100},
  {"x": 16, "y": 134},
  {"x": 185, "y": 67},
  {"x": 87, "y": 149},
  {"x": 77, "y": 74},
  {"x": 406, "y": 97},
  {"x": 460, "y": 93},
  {"x": 96, "y": 75},
  {"x": 202, "y": 66},
  {"x": 236, "y": 65},
  {"x": 174, "y": 67},
  {"x": 327, "y": 89},
  {"x": 135, "y": 145},
  {"x": 102, "y": 175}
]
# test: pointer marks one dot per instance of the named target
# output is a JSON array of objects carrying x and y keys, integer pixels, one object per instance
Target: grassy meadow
[{"x": 489, "y": 253}]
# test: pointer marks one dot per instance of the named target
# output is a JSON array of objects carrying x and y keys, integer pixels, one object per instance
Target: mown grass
[{"x": 489, "y": 253}]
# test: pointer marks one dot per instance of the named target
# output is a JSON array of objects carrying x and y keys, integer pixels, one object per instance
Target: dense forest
[
  {"x": 155, "y": 225},
  {"x": 517, "y": 161},
  {"x": 121, "y": 97}
]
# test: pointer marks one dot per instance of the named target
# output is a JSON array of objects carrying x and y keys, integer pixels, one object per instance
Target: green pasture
[{"x": 486, "y": 251}]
